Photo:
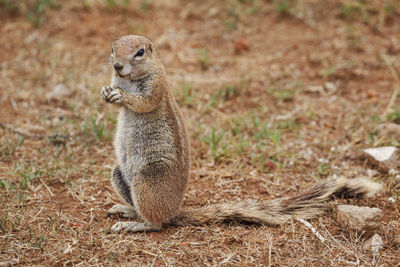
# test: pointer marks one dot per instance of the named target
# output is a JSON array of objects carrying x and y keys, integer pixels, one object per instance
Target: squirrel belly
[
  {"x": 151, "y": 153},
  {"x": 142, "y": 139}
]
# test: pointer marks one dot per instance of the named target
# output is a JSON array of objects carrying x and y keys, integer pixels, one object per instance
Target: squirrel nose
[{"x": 118, "y": 66}]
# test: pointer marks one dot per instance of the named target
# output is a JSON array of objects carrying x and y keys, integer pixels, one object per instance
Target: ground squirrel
[{"x": 153, "y": 155}]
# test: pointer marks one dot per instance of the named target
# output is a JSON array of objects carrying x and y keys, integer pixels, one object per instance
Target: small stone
[
  {"x": 374, "y": 244},
  {"x": 359, "y": 218},
  {"x": 59, "y": 92},
  {"x": 371, "y": 93},
  {"x": 241, "y": 45},
  {"x": 393, "y": 172},
  {"x": 315, "y": 89},
  {"x": 391, "y": 200},
  {"x": 212, "y": 12},
  {"x": 372, "y": 173},
  {"x": 383, "y": 157},
  {"x": 253, "y": 173},
  {"x": 324, "y": 161},
  {"x": 330, "y": 86}
]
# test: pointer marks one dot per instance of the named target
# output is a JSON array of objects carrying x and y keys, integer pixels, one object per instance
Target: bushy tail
[{"x": 306, "y": 205}]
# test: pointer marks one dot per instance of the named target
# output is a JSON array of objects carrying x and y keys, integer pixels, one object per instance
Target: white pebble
[{"x": 393, "y": 172}]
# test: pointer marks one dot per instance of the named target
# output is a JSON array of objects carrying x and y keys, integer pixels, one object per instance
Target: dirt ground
[{"x": 276, "y": 95}]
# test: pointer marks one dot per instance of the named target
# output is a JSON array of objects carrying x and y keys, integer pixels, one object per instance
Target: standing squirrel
[{"x": 153, "y": 155}]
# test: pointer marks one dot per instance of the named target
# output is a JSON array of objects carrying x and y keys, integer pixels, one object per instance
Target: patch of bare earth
[{"x": 274, "y": 99}]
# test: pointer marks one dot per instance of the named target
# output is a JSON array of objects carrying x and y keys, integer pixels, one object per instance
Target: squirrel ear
[{"x": 151, "y": 49}]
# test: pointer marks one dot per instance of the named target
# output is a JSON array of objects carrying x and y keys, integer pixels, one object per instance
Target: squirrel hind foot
[
  {"x": 134, "y": 227},
  {"x": 124, "y": 210}
]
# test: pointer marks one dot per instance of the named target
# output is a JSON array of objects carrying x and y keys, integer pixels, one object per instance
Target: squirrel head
[{"x": 133, "y": 57}]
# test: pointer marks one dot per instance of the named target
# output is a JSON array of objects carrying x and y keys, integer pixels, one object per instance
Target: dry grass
[{"x": 275, "y": 94}]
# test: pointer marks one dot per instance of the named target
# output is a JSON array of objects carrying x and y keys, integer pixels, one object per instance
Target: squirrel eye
[{"x": 139, "y": 53}]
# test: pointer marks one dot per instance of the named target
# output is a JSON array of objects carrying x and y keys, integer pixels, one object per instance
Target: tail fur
[{"x": 305, "y": 205}]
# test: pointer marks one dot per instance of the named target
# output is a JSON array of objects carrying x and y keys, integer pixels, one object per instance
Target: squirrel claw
[
  {"x": 134, "y": 227},
  {"x": 105, "y": 91},
  {"x": 111, "y": 95},
  {"x": 124, "y": 210}
]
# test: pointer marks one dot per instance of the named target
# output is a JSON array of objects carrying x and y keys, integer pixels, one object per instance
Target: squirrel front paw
[{"x": 111, "y": 95}]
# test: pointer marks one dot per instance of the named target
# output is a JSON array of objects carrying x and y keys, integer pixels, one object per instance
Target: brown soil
[{"x": 273, "y": 98}]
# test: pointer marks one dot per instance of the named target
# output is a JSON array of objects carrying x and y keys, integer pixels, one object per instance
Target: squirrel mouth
[
  {"x": 122, "y": 76},
  {"x": 131, "y": 77}
]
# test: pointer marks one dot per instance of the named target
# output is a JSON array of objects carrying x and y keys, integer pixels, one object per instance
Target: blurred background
[{"x": 275, "y": 94}]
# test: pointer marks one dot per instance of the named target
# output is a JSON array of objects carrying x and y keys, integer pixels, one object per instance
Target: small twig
[
  {"x": 37, "y": 214},
  {"x": 149, "y": 253},
  {"x": 396, "y": 87},
  {"x": 269, "y": 249},
  {"x": 309, "y": 226},
  {"x": 48, "y": 189}
]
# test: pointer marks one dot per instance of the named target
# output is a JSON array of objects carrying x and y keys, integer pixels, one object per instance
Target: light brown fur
[{"x": 153, "y": 155}]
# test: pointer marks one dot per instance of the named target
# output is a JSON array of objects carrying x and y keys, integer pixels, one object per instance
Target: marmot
[{"x": 153, "y": 155}]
